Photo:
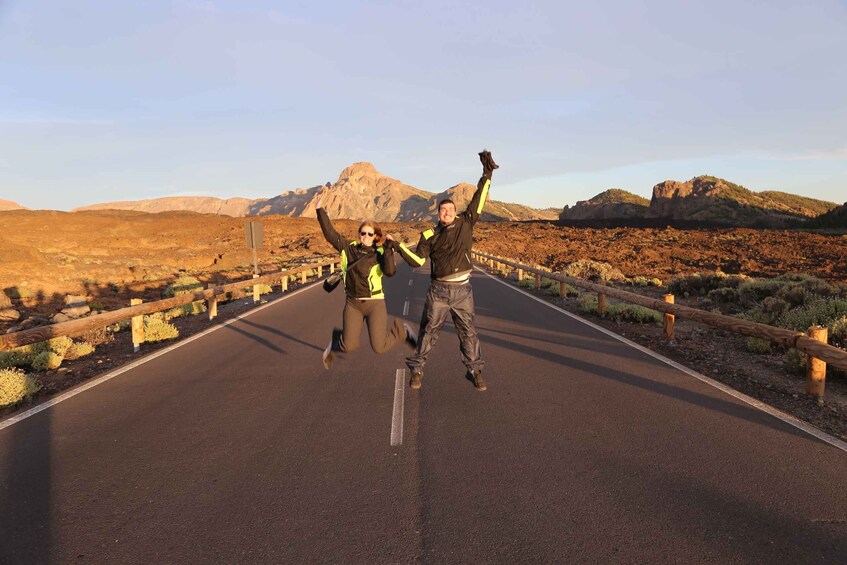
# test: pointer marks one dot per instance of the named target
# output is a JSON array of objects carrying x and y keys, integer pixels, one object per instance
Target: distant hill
[
  {"x": 613, "y": 203},
  {"x": 360, "y": 192},
  {"x": 9, "y": 205},
  {"x": 700, "y": 202},
  {"x": 835, "y": 218}
]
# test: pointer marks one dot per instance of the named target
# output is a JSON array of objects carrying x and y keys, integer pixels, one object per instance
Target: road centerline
[{"x": 397, "y": 415}]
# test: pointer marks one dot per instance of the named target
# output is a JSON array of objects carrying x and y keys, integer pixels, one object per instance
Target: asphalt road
[{"x": 238, "y": 447}]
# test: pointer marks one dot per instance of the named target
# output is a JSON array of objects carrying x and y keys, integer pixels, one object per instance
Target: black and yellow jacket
[
  {"x": 449, "y": 247},
  {"x": 364, "y": 279}
]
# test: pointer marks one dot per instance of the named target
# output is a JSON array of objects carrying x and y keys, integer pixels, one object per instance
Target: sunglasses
[{"x": 367, "y": 233}]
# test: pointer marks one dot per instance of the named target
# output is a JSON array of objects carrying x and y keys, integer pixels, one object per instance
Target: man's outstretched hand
[{"x": 488, "y": 164}]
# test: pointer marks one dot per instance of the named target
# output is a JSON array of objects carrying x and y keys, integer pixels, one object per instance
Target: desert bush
[
  {"x": 838, "y": 332},
  {"x": 821, "y": 312},
  {"x": 263, "y": 289},
  {"x": 79, "y": 349},
  {"x": 593, "y": 270},
  {"x": 17, "y": 357},
  {"x": 96, "y": 305},
  {"x": 645, "y": 281},
  {"x": 724, "y": 295},
  {"x": 759, "y": 346},
  {"x": 58, "y": 345},
  {"x": 47, "y": 360},
  {"x": 702, "y": 285},
  {"x": 192, "y": 309},
  {"x": 527, "y": 283},
  {"x": 633, "y": 313},
  {"x": 795, "y": 361},
  {"x": 184, "y": 284},
  {"x": 588, "y": 303},
  {"x": 156, "y": 329},
  {"x": 15, "y": 386}
]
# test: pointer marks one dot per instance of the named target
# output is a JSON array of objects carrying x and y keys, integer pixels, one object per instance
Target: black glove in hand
[{"x": 488, "y": 164}]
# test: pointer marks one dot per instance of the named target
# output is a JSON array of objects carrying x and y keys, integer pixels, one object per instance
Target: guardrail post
[
  {"x": 601, "y": 303},
  {"x": 255, "y": 290},
  {"x": 331, "y": 268},
  {"x": 320, "y": 271},
  {"x": 816, "y": 368},
  {"x": 667, "y": 330},
  {"x": 283, "y": 283},
  {"x": 520, "y": 275},
  {"x": 212, "y": 305},
  {"x": 137, "y": 327},
  {"x": 303, "y": 277}
]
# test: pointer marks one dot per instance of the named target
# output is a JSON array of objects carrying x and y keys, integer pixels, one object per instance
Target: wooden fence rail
[
  {"x": 75, "y": 327},
  {"x": 831, "y": 355}
]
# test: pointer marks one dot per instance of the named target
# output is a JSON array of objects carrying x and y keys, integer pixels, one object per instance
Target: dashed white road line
[
  {"x": 397, "y": 416},
  {"x": 411, "y": 281},
  {"x": 406, "y": 308}
]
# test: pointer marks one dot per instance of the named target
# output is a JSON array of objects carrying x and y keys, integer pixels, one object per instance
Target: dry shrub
[
  {"x": 15, "y": 386},
  {"x": 156, "y": 329},
  {"x": 79, "y": 349},
  {"x": 47, "y": 361},
  {"x": 184, "y": 284},
  {"x": 593, "y": 271}
]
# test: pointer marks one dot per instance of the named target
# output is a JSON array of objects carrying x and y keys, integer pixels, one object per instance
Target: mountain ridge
[{"x": 361, "y": 191}]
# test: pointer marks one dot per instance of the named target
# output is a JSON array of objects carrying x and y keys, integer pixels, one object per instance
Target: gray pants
[
  {"x": 457, "y": 301},
  {"x": 356, "y": 312}
]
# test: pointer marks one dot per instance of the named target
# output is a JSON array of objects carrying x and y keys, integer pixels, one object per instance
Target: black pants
[
  {"x": 357, "y": 312},
  {"x": 457, "y": 301}
]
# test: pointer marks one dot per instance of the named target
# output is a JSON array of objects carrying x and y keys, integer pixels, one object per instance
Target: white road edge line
[
  {"x": 397, "y": 415},
  {"x": 787, "y": 418},
  {"x": 91, "y": 384},
  {"x": 406, "y": 308}
]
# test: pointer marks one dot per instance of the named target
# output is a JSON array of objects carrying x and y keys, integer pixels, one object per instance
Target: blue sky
[{"x": 104, "y": 100}]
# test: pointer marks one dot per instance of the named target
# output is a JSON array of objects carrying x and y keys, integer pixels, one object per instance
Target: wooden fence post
[
  {"x": 563, "y": 289},
  {"x": 537, "y": 281},
  {"x": 137, "y": 327},
  {"x": 816, "y": 368},
  {"x": 255, "y": 291},
  {"x": 601, "y": 303},
  {"x": 284, "y": 283},
  {"x": 212, "y": 305},
  {"x": 520, "y": 275},
  {"x": 667, "y": 330},
  {"x": 320, "y": 271},
  {"x": 303, "y": 277},
  {"x": 331, "y": 268}
]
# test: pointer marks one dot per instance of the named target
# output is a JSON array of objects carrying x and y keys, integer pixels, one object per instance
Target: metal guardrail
[
  {"x": 75, "y": 327},
  {"x": 832, "y": 355}
]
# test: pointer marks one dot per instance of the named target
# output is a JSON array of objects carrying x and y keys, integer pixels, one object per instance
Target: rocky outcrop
[
  {"x": 611, "y": 204},
  {"x": 361, "y": 191},
  {"x": 9, "y": 205},
  {"x": 715, "y": 201}
]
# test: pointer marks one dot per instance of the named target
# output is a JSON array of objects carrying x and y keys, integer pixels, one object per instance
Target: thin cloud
[
  {"x": 54, "y": 122},
  {"x": 831, "y": 155}
]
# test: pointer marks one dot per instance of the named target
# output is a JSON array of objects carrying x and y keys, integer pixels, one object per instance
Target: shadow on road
[
  {"x": 26, "y": 528},
  {"x": 733, "y": 409}
]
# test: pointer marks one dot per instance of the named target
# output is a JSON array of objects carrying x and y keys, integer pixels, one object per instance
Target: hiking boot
[
  {"x": 415, "y": 381},
  {"x": 411, "y": 337},
  {"x": 334, "y": 345},
  {"x": 487, "y": 161},
  {"x": 476, "y": 378}
]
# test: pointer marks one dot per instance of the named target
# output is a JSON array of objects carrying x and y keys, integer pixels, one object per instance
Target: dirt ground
[{"x": 112, "y": 256}]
